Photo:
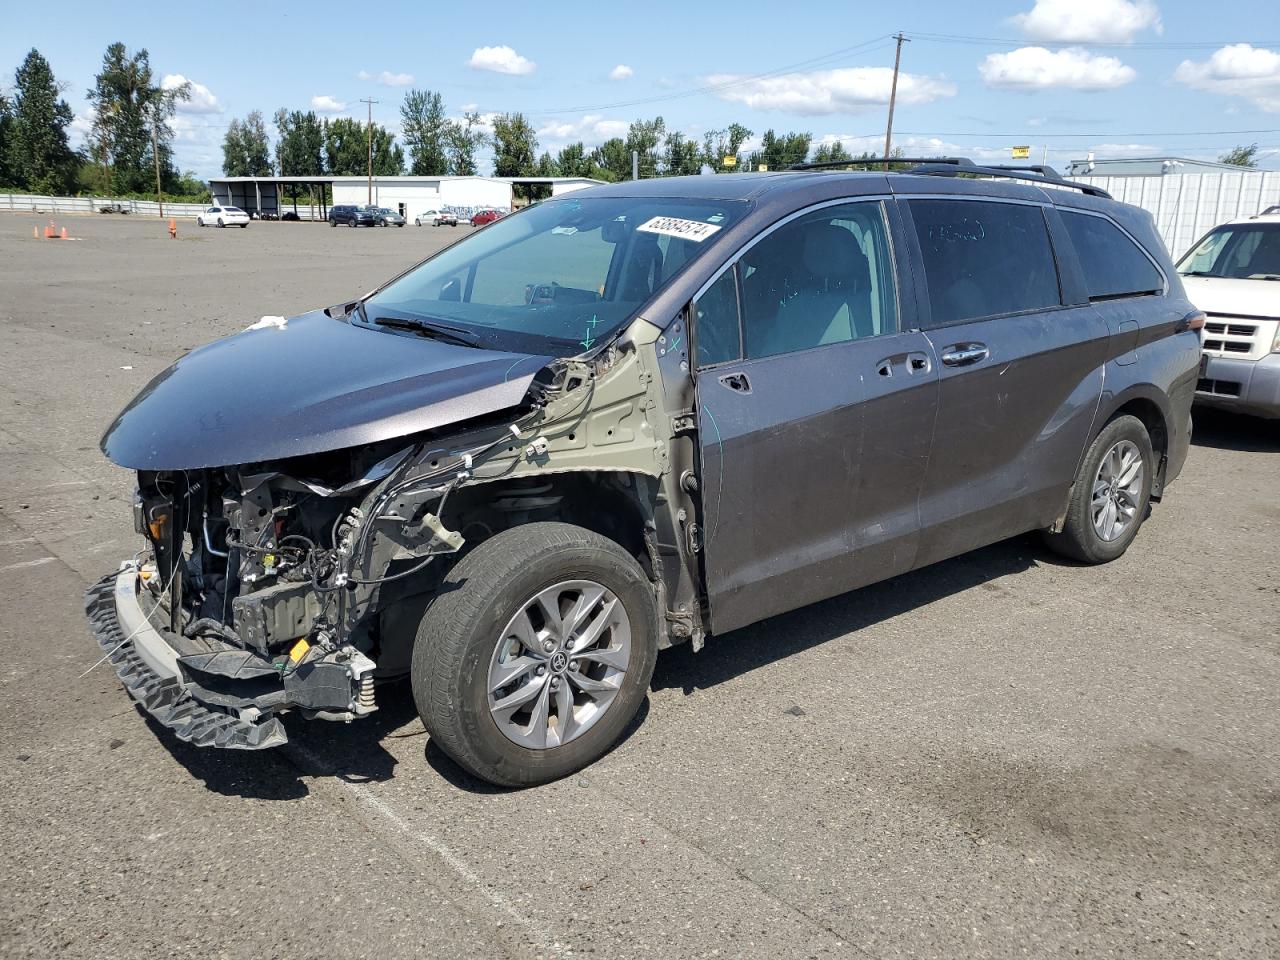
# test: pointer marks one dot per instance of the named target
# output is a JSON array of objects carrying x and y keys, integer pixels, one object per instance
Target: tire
[
  {"x": 199, "y": 221},
  {"x": 458, "y": 641},
  {"x": 1081, "y": 538},
  {"x": 244, "y": 226},
  {"x": 417, "y": 222},
  {"x": 354, "y": 224},
  {"x": 221, "y": 225}
]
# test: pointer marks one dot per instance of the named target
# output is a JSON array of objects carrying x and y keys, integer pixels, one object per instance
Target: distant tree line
[{"x": 128, "y": 147}]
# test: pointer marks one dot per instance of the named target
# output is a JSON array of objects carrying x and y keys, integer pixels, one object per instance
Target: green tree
[
  {"x": 346, "y": 148},
  {"x": 463, "y": 139},
  {"x": 779, "y": 152},
  {"x": 426, "y": 132},
  {"x": 573, "y": 161},
  {"x": 612, "y": 160},
  {"x": 719, "y": 144},
  {"x": 546, "y": 166},
  {"x": 39, "y": 157},
  {"x": 1241, "y": 156},
  {"x": 299, "y": 144},
  {"x": 131, "y": 120},
  {"x": 515, "y": 146},
  {"x": 644, "y": 138},
  {"x": 832, "y": 152},
  {"x": 682, "y": 156},
  {"x": 245, "y": 150},
  {"x": 7, "y": 176}
]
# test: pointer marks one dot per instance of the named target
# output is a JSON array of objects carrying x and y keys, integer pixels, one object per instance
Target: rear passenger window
[
  {"x": 824, "y": 278},
  {"x": 984, "y": 259},
  {"x": 1113, "y": 264}
]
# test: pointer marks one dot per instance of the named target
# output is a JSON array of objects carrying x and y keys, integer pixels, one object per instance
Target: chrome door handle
[{"x": 964, "y": 354}]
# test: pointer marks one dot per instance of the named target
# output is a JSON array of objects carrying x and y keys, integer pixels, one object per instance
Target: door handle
[
  {"x": 964, "y": 354},
  {"x": 736, "y": 382}
]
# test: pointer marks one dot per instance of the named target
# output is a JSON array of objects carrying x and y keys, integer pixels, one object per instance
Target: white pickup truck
[{"x": 1233, "y": 275}]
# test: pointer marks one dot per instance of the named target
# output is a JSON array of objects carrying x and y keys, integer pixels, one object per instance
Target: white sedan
[
  {"x": 222, "y": 217},
  {"x": 435, "y": 218}
]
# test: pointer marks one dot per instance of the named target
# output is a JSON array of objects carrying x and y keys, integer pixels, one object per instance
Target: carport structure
[{"x": 264, "y": 196}]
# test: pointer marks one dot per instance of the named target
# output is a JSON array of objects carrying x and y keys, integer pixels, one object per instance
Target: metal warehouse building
[{"x": 409, "y": 196}]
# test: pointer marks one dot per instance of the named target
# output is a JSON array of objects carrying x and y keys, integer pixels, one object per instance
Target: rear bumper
[
  {"x": 1243, "y": 386},
  {"x": 147, "y": 664}
]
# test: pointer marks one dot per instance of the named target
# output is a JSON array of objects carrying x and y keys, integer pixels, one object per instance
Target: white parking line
[{"x": 28, "y": 563}]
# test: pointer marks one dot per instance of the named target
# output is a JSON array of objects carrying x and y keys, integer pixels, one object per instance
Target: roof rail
[{"x": 954, "y": 166}]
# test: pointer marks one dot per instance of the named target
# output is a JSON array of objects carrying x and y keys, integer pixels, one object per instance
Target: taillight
[{"x": 1192, "y": 321}]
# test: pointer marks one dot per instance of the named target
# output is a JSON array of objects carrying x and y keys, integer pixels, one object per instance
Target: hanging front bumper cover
[{"x": 147, "y": 665}]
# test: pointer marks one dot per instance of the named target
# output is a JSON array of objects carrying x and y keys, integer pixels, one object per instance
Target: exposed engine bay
[{"x": 297, "y": 584}]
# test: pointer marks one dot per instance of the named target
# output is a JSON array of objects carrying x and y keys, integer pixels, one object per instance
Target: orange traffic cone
[
  {"x": 64, "y": 233},
  {"x": 173, "y": 229},
  {"x": 49, "y": 231}
]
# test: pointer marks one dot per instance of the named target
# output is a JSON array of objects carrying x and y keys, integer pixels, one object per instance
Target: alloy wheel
[
  {"x": 1117, "y": 491},
  {"x": 559, "y": 664}
]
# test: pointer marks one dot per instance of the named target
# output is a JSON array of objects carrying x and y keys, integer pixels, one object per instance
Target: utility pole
[
  {"x": 370, "y": 103},
  {"x": 155, "y": 155},
  {"x": 893, "y": 95}
]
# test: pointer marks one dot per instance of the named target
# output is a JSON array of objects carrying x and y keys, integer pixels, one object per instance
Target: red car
[{"x": 481, "y": 217}]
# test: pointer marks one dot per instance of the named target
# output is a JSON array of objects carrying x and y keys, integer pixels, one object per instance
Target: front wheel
[
  {"x": 221, "y": 223},
  {"x": 536, "y": 653},
  {"x": 244, "y": 226},
  {"x": 1111, "y": 494},
  {"x": 199, "y": 221}
]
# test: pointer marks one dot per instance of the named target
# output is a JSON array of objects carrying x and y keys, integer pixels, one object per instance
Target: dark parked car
[
  {"x": 481, "y": 217},
  {"x": 352, "y": 215},
  {"x": 636, "y": 417}
]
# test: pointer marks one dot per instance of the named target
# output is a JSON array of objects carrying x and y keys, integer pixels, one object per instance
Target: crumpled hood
[{"x": 313, "y": 385}]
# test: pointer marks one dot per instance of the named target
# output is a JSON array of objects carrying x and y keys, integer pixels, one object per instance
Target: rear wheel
[
  {"x": 199, "y": 221},
  {"x": 1111, "y": 494},
  {"x": 536, "y": 653},
  {"x": 354, "y": 224}
]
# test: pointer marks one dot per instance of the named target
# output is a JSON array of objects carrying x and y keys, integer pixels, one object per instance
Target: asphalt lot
[{"x": 1002, "y": 755}]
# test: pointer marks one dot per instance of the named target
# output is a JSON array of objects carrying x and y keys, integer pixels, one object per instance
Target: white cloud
[
  {"x": 202, "y": 98},
  {"x": 913, "y": 147},
  {"x": 387, "y": 78},
  {"x": 323, "y": 103},
  {"x": 1239, "y": 70},
  {"x": 592, "y": 129},
  {"x": 1035, "y": 68},
  {"x": 621, "y": 72},
  {"x": 847, "y": 90},
  {"x": 501, "y": 60},
  {"x": 1089, "y": 21},
  {"x": 469, "y": 107}
]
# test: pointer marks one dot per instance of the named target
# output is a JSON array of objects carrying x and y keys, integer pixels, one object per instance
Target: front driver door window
[{"x": 814, "y": 443}]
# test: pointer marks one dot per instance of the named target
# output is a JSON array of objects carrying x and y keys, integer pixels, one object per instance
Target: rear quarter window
[
  {"x": 1112, "y": 263},
  {"x": 984, "y": 259}
]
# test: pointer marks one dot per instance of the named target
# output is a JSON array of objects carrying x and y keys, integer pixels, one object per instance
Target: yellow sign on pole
[
  {"x": 762, "y": 168},
  {"x": 1021, "y": 153},
  {"x": 730, "y": 161}
]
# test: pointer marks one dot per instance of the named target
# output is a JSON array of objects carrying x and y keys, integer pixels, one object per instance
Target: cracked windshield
[{"x": 556, "y": 278}]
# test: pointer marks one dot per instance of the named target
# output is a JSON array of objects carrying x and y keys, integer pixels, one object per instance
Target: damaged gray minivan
[{"x": 632, "y": 417}]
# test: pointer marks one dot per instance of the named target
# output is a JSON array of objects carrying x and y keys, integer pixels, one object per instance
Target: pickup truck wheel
[
  {"x": 1111, "y": 494},
  {"x": 535, "y": 654}
]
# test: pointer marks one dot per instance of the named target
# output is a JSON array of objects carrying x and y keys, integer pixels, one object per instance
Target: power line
[
  {"x": 1138, "y": 45},
  {"x": 865, "y": 47}
]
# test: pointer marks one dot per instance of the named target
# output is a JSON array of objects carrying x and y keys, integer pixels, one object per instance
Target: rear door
[
  {"x": 816, "y": 401},
  {"x": 1020, "y": 369}
]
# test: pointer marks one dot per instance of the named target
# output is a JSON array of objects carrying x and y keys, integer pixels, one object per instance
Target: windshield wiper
[{"x": 432, "y": 329}]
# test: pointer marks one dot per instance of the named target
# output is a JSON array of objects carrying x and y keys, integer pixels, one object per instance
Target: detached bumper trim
[{"x": 147, "y": 666}]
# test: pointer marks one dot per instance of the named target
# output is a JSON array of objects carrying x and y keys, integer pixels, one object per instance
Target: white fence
[
  {"x": 1187, "y": 205},
  {"x": 49, "y": 206}
]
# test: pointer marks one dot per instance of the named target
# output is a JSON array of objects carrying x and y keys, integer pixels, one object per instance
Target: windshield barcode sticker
[{"x": 675, "y": 227}]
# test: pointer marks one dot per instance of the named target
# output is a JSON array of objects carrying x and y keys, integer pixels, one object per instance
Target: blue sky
[{"x": 1115, "y": 77}]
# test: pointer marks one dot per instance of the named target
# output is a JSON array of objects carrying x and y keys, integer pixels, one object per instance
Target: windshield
[
  {"x": 559, "y": 277},
  {"x": 1239, "y": 251}
]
